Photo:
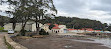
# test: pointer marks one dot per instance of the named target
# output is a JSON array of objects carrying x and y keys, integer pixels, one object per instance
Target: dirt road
[{"x": 2, "y": 44}]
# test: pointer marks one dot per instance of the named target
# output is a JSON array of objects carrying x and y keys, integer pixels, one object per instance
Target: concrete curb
[{"x": 14, "y": 44}]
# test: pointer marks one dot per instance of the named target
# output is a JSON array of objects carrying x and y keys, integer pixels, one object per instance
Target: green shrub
[
  {"x": 4, "y": 31},
  {"x": 22, "y": 32},
  {"x": 1, "y": 28},
  {"x": 43, "y": 32},
  {"x": 51, "y": 26}
]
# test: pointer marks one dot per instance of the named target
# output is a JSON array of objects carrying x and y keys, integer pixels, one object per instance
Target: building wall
[
  {"x": 55, "y": 31},
  {"x": 97, "y": 31},
  {"x": 28, "y": 27},
  {"x": 34, "y": 26},
  {"x": 81, "y": 31},
  {"x": 18, "y": 27},
  {"x": 8, "y": 26},
  {"x": 76, "y": 31},
  {"x": 58, "y": 31},
  {"x": 62, "y": 31},
  {"x": 46, "y": 27},
  {"x": 73, "y": 30},
  {"x": 62, "y": 26}
]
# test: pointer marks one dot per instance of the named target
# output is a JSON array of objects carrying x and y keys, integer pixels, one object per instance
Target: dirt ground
[
  {"x": 58, "y": 43},
  {"x": 2, "y": 43}
]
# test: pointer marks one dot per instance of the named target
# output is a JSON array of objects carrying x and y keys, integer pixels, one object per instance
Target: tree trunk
[
  {"x": 14, "y": 21},
  {"x": 37, "y": 24},
  {"x": 2, "y": 24},
  {"x": 14, "y": 25},
  {"x": 38, "y": 28},
  {"x": 22, "y": 32}
]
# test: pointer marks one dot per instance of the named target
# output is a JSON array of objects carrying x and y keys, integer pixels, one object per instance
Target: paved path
[{"x": 2, "y": 44}]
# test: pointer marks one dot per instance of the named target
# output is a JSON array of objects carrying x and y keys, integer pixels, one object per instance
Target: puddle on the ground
[{"x": 67, "y": 46}]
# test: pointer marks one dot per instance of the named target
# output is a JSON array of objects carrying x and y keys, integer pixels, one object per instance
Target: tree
[
  {"x": 3, "y": 20},
  {"x": 31, "y": 9},
  {"x": 19, "y": 11},
  {"x": 43, "y": 32},
  {"x": 20, "y": 15},
  {"x": 40, "y": 8},
  {"x": 105, "y": 26},
  {"x": 109, "y": 28},
  {"x": 51, "y": 26}
]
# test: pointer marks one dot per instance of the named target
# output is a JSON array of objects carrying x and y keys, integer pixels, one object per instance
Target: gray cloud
[
  {"x": 70, "y": 6},
  {"x": 104, "y": 5},
  {"x": 92, "y": 9}
]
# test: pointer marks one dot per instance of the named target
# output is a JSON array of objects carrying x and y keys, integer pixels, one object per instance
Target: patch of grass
[
  {"x": 8, "y": 45},
  {"x": 3, "y": 31},
  {"x": 1, "y": 28}
]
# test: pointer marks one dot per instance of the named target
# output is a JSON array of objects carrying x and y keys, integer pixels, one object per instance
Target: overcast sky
[{"x": 91, "y": 9}]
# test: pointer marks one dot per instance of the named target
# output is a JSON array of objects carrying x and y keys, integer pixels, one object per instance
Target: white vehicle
[{"x": 10, "y": 31}]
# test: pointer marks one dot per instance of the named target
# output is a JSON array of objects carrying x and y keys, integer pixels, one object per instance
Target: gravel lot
[{"x": 58, "y": 43}]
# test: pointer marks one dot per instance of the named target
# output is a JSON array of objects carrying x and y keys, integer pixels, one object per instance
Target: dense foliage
[
  {"x": 109, "y": 28},
  {"x": 51, "y": 26},
  {"x": 1, "y": 28},
  {"x": 25, "y": 10},
  {"x": 43, "y": 32},
  {"x": 3, "y": 20},
  {"x": 77, "y": 23}
]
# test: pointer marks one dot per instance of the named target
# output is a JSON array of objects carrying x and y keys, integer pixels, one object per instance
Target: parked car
[{"x": 10, "y": 31}]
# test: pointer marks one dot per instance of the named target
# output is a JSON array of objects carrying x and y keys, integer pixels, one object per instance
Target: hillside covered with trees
[{"x": 77, "y": 23}]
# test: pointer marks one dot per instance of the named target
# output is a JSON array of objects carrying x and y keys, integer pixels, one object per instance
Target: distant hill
[{"x": 77, "y": 23}]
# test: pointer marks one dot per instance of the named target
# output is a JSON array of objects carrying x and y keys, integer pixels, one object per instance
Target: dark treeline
[
  {"x": 4, "y": 20},
  {"x": 77, "y": 23}
]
